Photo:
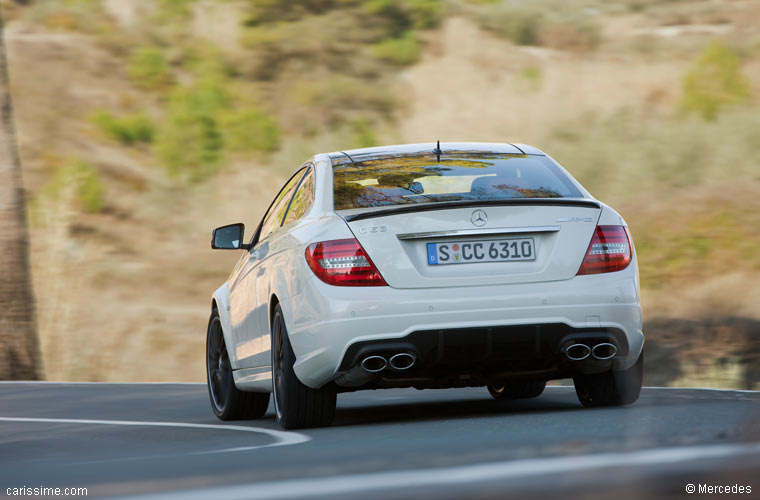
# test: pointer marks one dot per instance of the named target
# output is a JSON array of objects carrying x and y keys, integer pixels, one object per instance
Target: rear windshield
[{"x": 410, "y": 179}]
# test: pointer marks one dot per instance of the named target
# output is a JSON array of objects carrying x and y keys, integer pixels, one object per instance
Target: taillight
[
  {"x": 610, "y": 250},
  {"x": 343, "y": 263}
]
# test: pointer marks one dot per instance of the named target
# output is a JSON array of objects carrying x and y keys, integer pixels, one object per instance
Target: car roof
[{"x": 429, "y": 147}]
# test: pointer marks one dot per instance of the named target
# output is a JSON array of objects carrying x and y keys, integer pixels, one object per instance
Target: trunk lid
[{"x": 397, "y": 240}]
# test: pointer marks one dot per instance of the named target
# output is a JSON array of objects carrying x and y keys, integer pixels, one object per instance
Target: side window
[
  {"x": 276, "y": 212},
  {"x": 303, "y": 198}
]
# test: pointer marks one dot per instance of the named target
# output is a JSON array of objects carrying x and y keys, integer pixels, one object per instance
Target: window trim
[
  {"x": 255, "y": 238},
  {"x": 309, "y": 168}
]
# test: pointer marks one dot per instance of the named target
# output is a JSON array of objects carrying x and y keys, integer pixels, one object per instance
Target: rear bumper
[
  {"x": 461, "y": 357},
  {"x": 327, "y": 325}
]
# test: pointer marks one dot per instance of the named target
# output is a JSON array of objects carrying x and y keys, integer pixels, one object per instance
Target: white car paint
[{"x": 324, "y": 320}]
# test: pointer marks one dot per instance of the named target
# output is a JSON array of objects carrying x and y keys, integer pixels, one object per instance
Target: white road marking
[
  {"x": 461, "y": 475},
  {"x": 281, "y": 438},
  {"x": 746, "y": 391}
]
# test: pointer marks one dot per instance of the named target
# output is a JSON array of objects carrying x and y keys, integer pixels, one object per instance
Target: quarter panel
[
  {"x": 285, "y": 273},
  {"x": 242, "y": 312}
]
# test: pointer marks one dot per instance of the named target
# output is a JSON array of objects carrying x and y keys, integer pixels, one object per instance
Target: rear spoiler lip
[{"x": 444, "y": 205}]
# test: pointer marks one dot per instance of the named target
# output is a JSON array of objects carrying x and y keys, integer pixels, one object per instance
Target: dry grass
[{"x": 124, "y": 294}]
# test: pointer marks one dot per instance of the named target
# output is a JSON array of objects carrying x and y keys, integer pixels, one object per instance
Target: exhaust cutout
[
  {"x": 604, "y": 351},
  {"x": 578, "y": 352},
  {"x": 374, "y": 364},
  {"x": 402, "y": 361}
]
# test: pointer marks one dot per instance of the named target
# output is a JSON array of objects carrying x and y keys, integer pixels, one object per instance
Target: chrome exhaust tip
[
  {"x": 374, "y": 364},
  {"x": 603, "y": 351},
  {"x": 578, "y": 352},
  {"x": 402, "y": 361}
]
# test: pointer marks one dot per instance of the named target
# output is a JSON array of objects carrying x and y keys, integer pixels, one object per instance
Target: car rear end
[{"x": 461, "y": 267}]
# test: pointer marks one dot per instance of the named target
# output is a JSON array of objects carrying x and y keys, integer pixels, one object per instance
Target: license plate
[{"x": 464, "y": 252}]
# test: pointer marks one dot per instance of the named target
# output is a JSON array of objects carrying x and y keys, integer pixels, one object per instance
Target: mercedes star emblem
[{"x": 479, "y": 218}]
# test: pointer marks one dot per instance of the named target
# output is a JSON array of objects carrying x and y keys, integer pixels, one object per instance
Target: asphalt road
[{"x": 162, "y": 441}]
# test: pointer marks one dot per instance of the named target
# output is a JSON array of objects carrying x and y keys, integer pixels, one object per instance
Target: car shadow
[{"x": 446, "y": 410}]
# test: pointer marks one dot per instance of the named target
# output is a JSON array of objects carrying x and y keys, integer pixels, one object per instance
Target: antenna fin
[{"x": 438, "y": 151}]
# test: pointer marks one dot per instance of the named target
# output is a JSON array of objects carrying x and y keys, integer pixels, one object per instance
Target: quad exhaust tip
[
  {"x": 578, "y": 352},
  {"x": 604, "y": 351},
  {"x": 374, "y": 364},
  {"x": 399, "y": 362},
  {"x": 402, "y": 361}
]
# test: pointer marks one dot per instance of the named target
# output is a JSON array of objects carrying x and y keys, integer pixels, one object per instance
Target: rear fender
[
  {"x": 279, "y": 289},
  {"x": 289, "y": 273}
]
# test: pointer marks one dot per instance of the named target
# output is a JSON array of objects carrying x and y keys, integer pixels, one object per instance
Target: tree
[{"x": 19, "y": 347}]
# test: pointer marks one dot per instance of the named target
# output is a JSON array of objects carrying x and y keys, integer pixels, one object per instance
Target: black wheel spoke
[
  {"x": 296, "y": 405},
  {"x": 228, "y": 402},
  {"x": 217, "y": 366}
]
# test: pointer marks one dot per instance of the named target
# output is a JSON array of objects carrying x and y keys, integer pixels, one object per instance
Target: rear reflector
[
  {"x": 610, "y": 250},
  {"x": 343, "y": 263}
]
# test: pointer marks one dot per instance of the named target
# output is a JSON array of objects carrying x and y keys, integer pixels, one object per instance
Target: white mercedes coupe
[{"x": 426, "y": 266}]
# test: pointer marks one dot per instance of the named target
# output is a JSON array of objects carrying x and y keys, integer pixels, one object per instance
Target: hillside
[{"x": 144, "y": 125}]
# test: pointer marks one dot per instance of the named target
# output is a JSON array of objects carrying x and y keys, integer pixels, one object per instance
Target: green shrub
[
  {"x": 85, "y": 16},
  {"x": 327, "y": 34},
  {"x": 79, "y": 182},
  {"x": 402, "y": 51},
  {"x": 530, "y": 77},
  {"x": 149, "y": 69},
  {"x": 200, "y": 124},
  {"x": 714, "y": 82},
  {"x": 402, "y": 15},
  {"x": 90, "y": 191},
  {"x": 250, "y": 130},
  {"x": 424, "y": 14},
  {"x": 521, "y": 25},
  {"x": 270, "y": 11},
  {"x": 554, "y": 24},
  {"x": 398, "y": 14},
  {"x": 338, "y": 98},
  {"x": 363, "y": 134},
  {"x": 332, "y": 41},
  {"x": 167, "y": 10},
  {"x": 129, "y": 129},
  {"x": 189, "y": 142}
]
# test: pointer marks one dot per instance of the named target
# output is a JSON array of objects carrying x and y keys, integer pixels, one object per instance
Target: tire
[
  {"x": 522, "y": 389},
  {"x": 296, "y": 405},
  {"x": 227, "y": 401},
  {"x": 612, "y": 388}
]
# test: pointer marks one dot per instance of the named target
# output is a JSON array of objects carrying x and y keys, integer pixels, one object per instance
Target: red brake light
[
  {"x": 609, "y": 250},
  {"x": 343, "y": 263}
]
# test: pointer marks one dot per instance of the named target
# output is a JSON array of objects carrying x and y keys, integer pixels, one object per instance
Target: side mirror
[{"x": 229, "y": 237}]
